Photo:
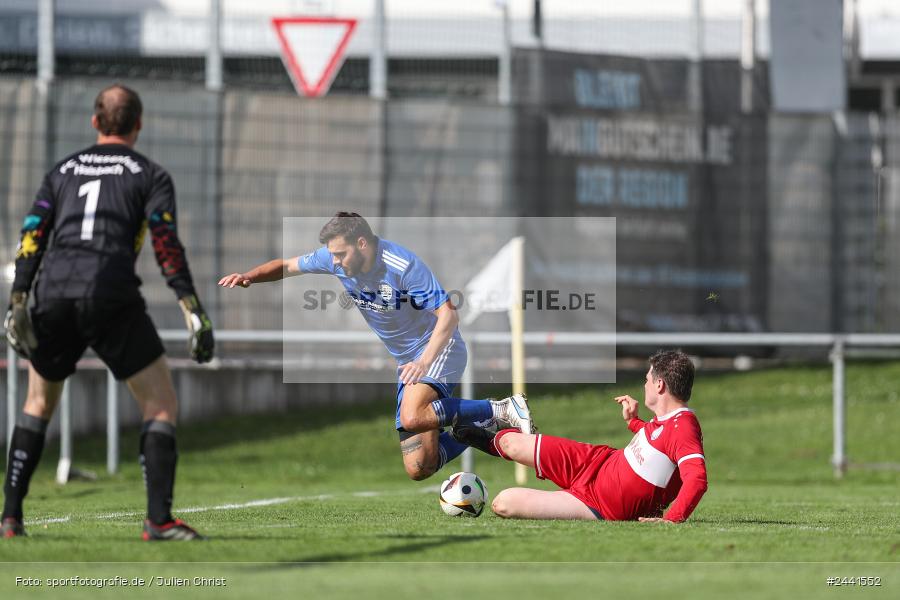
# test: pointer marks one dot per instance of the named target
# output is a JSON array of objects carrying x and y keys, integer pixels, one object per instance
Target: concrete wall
[
  {"x": 801, "y": 156},
  {"x": 888, "y": 225},
  {"x": 825, "y": 236}
]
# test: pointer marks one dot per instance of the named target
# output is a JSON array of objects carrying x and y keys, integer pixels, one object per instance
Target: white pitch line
[
  {"x": 48, "y": 521},
  {"x": 233, "y": 506},
  {"x": 254, "y": 503},
  {"x": 251, "y": 504}
]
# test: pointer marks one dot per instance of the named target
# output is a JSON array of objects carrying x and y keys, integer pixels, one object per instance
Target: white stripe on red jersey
[{"x": 647, "y": 462}]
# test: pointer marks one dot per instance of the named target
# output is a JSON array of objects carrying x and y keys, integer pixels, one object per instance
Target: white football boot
[{"x": 513, "y": 413}]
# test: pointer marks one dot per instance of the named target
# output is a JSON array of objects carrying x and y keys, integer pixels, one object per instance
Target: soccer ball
[{"x": 463, "y": 495}]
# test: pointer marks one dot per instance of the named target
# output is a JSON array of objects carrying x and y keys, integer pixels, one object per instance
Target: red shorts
[{"x": 573, "y": 466}]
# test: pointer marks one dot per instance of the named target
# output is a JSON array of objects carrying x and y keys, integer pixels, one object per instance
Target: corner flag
[
  {"x": 492, "y": 289},
  {"x": 497, "y": 288}
]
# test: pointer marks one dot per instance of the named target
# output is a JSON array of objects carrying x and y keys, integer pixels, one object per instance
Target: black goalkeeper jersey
[{"x": 87, "y": 225}]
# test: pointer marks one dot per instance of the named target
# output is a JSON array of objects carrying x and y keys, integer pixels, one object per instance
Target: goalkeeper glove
[
  {"x": 19, "y": 330},
  {"x": 200, "y": 342}
]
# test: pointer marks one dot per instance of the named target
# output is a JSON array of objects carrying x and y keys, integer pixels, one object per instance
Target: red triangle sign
[{"x": 312, "y": 49}]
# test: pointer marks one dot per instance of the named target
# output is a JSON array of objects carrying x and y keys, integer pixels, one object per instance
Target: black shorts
[{"x": 119, "y": 331}]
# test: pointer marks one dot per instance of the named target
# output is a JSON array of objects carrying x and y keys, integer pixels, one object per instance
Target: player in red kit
[{"x": 662, "y": 465}]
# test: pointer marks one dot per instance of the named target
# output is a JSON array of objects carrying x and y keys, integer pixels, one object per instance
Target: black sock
[
  {"x": 24, "y": 455},
  {"x": 158, "y": 458}
]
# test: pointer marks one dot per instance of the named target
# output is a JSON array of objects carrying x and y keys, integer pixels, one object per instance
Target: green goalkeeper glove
[
  {"x": 19, "y": 330},
  {"x": 201, "y": 342}
]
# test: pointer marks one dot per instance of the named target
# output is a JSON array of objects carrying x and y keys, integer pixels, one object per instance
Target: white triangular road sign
[{"x": 312, "y": 49}]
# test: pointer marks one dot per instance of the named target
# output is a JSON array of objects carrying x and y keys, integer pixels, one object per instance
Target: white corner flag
[
  {"x": 498, "y": 288},
  {"x": 493, "y": 289}
]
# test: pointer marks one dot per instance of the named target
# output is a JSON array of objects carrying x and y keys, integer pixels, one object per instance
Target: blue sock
[
  {"x": 449, "y": 448},
  {"x": 456, "y": 411}
]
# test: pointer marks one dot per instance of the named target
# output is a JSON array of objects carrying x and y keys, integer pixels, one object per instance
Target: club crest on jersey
[
  {"x": 386, "y": 292},
  {"x": 656, "y": 433}
]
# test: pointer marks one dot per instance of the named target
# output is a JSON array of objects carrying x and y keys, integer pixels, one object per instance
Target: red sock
[{"x": 496, "y": 445}]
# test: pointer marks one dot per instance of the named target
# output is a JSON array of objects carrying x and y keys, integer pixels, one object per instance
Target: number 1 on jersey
[{"x": 91, "y": 189}]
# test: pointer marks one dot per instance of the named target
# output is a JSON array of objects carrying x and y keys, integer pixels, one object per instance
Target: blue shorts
[{"x": 445, "y": 373}]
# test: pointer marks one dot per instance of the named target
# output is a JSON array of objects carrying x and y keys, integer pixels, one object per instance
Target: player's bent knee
[
  {"x": 419, "y": 472},
  {"x": 509, "y": 442},
  {"x": 501, "y": 505},
  {"x": 420, "y": 465},
  {"x": 411, "y": 422}
]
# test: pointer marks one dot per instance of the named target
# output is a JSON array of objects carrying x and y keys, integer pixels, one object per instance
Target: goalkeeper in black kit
[{"x": 84, "y": 231}]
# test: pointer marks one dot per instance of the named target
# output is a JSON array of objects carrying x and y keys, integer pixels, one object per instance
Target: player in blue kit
[{"x": 406, "y": 307}]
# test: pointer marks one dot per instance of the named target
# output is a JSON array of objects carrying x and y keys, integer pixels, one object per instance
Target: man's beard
[{"x": 355, "y": 267}]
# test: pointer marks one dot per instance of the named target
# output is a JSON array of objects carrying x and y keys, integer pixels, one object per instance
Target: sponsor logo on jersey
[
  {"x": 101, "y": 164},
  {"x": 635, "y": 448},
  {"x": 386, "y": 292},
  {"x": 366, "y": 301},
  {"x": 100, "y": 159},
  {"x": 647, "y": 462},
  {"x": 657, "y": 433}
]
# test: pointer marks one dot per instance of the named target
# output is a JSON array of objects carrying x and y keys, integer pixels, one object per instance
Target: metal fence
[{"x": 797, "y": 231}]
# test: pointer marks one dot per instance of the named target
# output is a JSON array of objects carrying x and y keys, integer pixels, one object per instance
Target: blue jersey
[{"x": 396, "y": 297}]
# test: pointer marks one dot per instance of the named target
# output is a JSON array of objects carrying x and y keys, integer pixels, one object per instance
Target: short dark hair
[
  {"x": 348, "y": 225},
  {"x": 118, "y": 110},
  {"x": 676, "y": 369}
]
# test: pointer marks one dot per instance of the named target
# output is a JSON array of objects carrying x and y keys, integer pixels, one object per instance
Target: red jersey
[{"x": 663, "y": 462}]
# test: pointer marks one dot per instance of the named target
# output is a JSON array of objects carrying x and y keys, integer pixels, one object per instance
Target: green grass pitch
[{"x": 316, "y": 505}]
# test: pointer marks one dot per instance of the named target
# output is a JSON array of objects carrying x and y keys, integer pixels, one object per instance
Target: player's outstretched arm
[{"x": 274, "y": 270}]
